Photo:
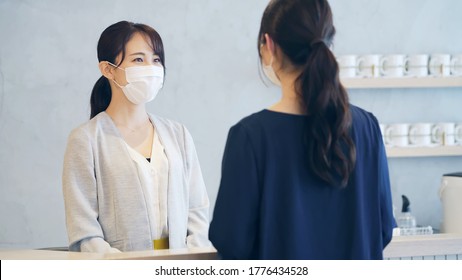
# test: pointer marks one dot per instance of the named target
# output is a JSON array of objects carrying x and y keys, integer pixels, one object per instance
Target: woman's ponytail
[
  {"x": 331, "y": 151},
  {"x": 100, "y": 96},
  {"x": 304, "y": 30}
]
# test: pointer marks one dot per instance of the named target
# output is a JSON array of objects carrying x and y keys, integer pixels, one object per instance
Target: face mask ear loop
[
  {"x": 117, "y": 83},
  {"x": 113, "y": 65},
  {"x": 114, "y": 79},
  {"x": 271, "y": 61}
]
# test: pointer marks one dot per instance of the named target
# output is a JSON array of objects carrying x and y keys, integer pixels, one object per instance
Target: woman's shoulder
[
  {"x": 255, "y": 120},
  {"x": 89, "y": 128},
  {"x": 246, "y": 124},
  {"x": 268, "y": 121},
  {"x": 364, "y": 123},
  {"x": 361, "y": 116}
]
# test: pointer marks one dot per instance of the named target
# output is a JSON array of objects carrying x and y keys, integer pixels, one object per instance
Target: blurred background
[{"x": 48, "y": 66}]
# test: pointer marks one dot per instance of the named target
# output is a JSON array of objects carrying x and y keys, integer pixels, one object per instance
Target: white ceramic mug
[
  {"x": 458, "y": 134},
  {"x": 456, "y": 65},
  {"x": 439, "y": 64},
  {"x": 443, "y": 134},
  {"x": 420, "y": 134},
  {"x": 368, "y": 65},
  {"x": 397, "y": 134},
  {"x": 416, "y": 65},
  {"x": 347, "y": 66},
  {"x": 392, "y": 65},
  {"x": 382, "y": 131},
  {"x": 382, "y": 128}
]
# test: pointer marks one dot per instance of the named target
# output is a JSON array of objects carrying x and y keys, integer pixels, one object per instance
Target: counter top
[
  {"x": 424, "y": 245},
  {"x": 172, "y": 254},
  {"x": 400, "y": 247}
]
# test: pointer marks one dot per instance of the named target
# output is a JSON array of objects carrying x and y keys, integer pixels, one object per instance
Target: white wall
[{"x": 48, "y": 66}]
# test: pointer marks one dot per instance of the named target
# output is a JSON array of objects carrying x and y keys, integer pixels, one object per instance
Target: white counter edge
[{"x": 399, "y": 247}]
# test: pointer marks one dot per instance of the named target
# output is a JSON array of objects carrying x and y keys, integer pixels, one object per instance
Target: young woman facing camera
[{"x": 132, "y": 180}]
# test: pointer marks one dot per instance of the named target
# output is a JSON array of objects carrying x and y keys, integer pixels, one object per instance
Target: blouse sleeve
[
  {"x": 80, "y": 197},
  {"x": 198, "y": 216},
  {"x": 234, "y": 226}
]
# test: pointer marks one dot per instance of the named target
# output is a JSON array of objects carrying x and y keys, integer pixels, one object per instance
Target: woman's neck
[
  {"x": 291, "y": 102},
  {"x": 124, "y": 113}
]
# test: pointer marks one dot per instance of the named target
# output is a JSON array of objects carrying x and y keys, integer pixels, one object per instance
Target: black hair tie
[{"x": 317, "y": 41}]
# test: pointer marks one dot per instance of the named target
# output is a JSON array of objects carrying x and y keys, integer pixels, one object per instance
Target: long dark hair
[
  {"x": 112, "y": 43},
  {"x": 304, "y": 31}
]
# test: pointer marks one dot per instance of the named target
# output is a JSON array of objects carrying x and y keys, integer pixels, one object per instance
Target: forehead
[{"x": 139, "y": 43}]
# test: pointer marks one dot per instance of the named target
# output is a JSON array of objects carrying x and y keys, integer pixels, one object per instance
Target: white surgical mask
[
  {"x": 143, "y": 83},
  {"x": 270, "y": 74}
]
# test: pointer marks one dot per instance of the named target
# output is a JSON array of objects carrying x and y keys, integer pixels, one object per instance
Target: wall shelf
[
  {"x": 443, "y": 151},
  {"x": 404, "y": 82}
]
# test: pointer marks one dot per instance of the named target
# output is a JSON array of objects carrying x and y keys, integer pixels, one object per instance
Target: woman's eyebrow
[
  {"x": 138, "y": 53},
  {"x": 142, "y": 53}
]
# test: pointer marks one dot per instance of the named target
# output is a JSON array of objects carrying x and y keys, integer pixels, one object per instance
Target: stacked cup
[
  {"x": 416, "y": 65},
  {"x": 422, "y": 134},
  {"x": 456, "y": 65},
  {"x": 399, "y": 65},
  {"x": 396, "y": 135}
]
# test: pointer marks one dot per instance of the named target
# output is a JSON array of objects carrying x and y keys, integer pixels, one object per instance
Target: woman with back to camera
[
  {"x": 132, "y": 180},
  {"x": 308, "y": 177}
]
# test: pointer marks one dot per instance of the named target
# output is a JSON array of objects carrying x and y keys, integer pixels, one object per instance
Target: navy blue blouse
[{"x": 270, "y": 206}]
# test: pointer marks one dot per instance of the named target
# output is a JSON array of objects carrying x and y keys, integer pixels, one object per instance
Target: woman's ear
[
  {"x": 107, "y": 70},
  {"x": 267, "y": 50},
  {"x": 269, "y": 44},
  {"x": 272, "y": 49}
]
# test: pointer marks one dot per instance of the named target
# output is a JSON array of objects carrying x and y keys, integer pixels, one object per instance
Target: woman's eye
[
  {"x": 138, "y": 59},
  {"x": 157, "y": 60}
]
